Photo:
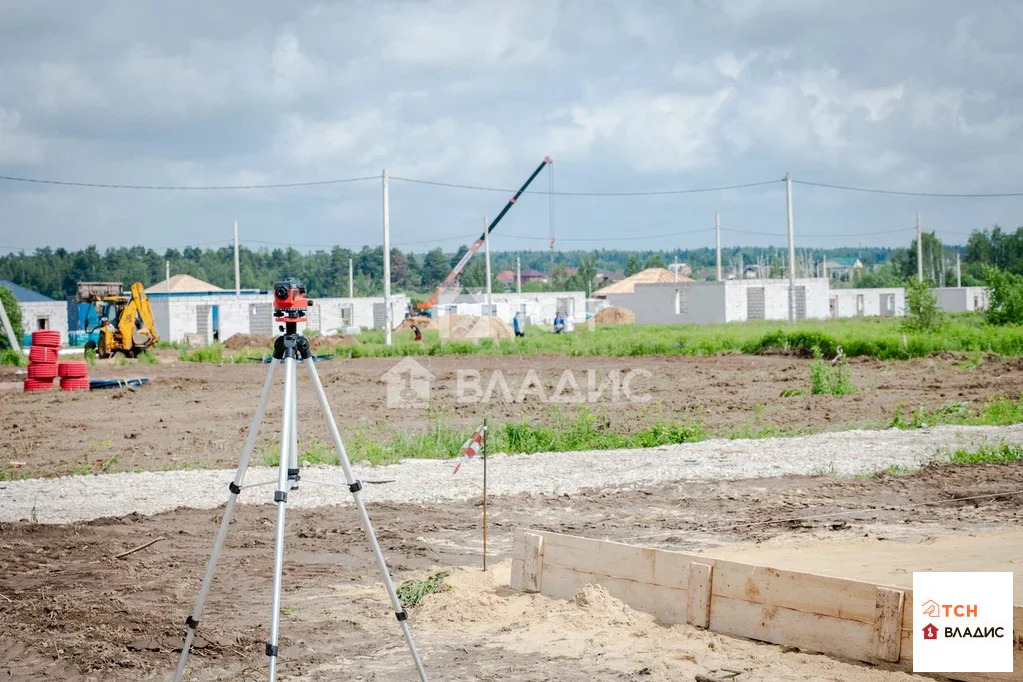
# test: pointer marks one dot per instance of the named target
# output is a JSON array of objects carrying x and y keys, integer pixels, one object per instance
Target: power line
[
  {"x": 107, "y": 185},
  {"x": 588, "y": 194},
  {"x": 611, "y": 239},
  {"x": 947, "y": 195}
]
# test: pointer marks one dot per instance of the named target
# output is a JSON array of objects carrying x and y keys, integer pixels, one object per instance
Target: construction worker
[
  {"x": 559, "y": 323},
  {"x": 519, "y": 325},
  {"x": 418, "y": 334}
]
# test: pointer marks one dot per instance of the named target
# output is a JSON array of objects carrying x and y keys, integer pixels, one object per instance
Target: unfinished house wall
[
  {"x": 675, "y": 303},
  {"x": 962, "y": 299},
  {"x": 36, "y": 315},
  {"x": 883, "y": 302}
]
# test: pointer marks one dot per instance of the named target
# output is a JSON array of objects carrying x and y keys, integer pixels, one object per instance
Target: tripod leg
[
  {"x": 355, "y": 486},
  {"x": 235, "y": 487},
  {"x": 281, "y": 498},
  {"x": 293, "y": 474}
]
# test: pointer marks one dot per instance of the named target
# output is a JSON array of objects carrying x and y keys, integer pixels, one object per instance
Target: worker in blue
[
  {"x": 519, "y": 325},
  {"x": 559, "y": 323}
]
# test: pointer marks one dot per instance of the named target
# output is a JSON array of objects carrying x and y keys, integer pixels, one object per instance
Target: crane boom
[{"x": 474, "y": 249}]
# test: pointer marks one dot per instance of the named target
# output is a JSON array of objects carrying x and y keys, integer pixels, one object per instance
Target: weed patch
[{"x": 411, "y": 592}]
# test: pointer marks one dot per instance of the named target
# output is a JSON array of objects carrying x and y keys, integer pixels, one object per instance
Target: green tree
[
  {"x": 13, "y": 314},
  {"x": 435, "y": 267},
  {"x": 655, "y": 260},
  {"x": 1006, "y": 304},
  {"x": 922, "y": 312},
  {"x": 632, "y": 266}
]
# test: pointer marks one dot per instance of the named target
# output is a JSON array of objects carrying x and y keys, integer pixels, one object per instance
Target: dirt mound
[
  {"x": 422, "y": 322},
  {"x": 321, "y": 342},
  {"x": 471, "y": 328},
  {"x": 242, "y": 341},
  {"x": 615, "y": 315}
]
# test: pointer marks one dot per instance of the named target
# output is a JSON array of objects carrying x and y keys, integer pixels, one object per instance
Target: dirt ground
[
  {"x": 69, "y": 609},
  {"x": 197, "y": 414}
]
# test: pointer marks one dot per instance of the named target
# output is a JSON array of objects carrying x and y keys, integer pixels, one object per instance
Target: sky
[{"x": 624, "y": 95}]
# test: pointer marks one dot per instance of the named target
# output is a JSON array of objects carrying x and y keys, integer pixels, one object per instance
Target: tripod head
[{"x": 290, "y": 306}]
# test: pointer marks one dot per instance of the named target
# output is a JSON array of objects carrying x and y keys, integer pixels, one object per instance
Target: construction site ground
[
  {"x": 70, "y": 608},
  {"x": 196, "y": 414}
]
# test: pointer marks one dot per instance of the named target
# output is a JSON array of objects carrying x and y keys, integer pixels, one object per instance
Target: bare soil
[
  {"x": 193, "y": 415},
  {"x": 70, "y": 610}
]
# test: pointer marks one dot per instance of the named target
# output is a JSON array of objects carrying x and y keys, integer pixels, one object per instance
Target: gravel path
[{"x": 844, "y": 453}]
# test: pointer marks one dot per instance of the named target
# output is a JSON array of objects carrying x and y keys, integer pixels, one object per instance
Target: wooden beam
[
  {"x": 530, "y": 575},
  {"x": 698, "y": 595},
  {"x": 888, "y": 624}
]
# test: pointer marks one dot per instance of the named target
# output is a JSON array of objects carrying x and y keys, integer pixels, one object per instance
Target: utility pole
[
  {"x": 717, "y": 239},
  {"x": 518, "y": 274},
  {"x": 792, "y": 249},
  {"x": 676, "y": 267},
  {"x": 959, "y": 271},
  {"x": 486, "y": 254},
  {"x": 351, "y": 278},
  {"x": 919, "y": 251},
  {"x": 237, "y": 279},
  {"x": 166, "y": 281},
  {"x": 387, "y": 263}
]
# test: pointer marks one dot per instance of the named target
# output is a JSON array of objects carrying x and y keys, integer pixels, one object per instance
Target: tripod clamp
[{"x": 292, "y": 345}]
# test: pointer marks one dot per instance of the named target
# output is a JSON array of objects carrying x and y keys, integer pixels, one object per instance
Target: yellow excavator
[{"x": 126, "y": 323}]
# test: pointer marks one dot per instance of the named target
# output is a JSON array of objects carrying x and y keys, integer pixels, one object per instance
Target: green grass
[
  {"x": 9, "y": 356},
  {"x": 995, "y": 454},
  {"x": 214, "y": 353},
  {"x": 411, "y": 592},
  {"x": 878, "y": 337},
  {"x": 148, "y": 358},
  {"x": 996, "y": 411},
  {"x": 583, "y": 431}
]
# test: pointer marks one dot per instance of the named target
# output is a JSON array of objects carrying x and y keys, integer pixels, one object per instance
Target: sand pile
[
  {"x": 472, "y": 328},
  {"x": 242, "y": 341},
  {"x": 422, "y": 322},
  {"x": 615, "y": 315}
]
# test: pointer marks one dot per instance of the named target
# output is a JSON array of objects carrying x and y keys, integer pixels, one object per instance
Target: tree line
[{"x": 56, "y": 272}]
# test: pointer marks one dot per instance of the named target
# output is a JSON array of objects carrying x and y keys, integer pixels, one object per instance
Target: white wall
[
  {"x": 328, "y": 317},
  {"x": 962, "y": 299},
  {"x": 728, "y": 301},
  {"x": 53, "y": 313},
  {"x": 867, "y": 302}
]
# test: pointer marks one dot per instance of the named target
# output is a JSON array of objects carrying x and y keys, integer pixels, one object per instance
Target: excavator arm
[
  {"x": 136, "y": 324},
  {"x": 478, "y": 244}
]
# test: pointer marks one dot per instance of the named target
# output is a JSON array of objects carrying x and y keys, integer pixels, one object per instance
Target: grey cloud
[{"x": 912, "y": 95}]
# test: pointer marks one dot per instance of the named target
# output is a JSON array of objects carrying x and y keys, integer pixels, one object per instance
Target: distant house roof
[
  {"x": 24, "y": 295},
  {"x": 506, "y": 277},
  {"x": 845, "y": 262},
  {"x": 530, "y": 273},
  {"x": 182, "y": 284},
  {"x": 648, "y": 276}
]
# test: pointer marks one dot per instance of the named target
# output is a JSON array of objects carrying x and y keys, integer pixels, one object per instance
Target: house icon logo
[
  {"x": 408, "y": 385},
  {"x": 932, "y": 608},
  {"x": 930, "y": 631}
]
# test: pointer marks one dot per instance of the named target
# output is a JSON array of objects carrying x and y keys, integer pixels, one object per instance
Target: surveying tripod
[{"x": 290, "y": 305}]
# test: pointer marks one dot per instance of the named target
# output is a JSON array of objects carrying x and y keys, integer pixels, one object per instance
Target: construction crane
[{"x": 456, "y": 271}]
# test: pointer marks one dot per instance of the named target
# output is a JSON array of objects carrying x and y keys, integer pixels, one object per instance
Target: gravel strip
[{"x": 843, "y": 453}]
